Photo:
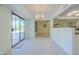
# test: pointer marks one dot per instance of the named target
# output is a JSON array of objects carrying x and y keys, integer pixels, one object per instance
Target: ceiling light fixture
[
  {"x": 72, "y": 13},
  {"x": 39, "y": 16},
  {"x": 77, "y": 14},
  {"x": 42, "y": 15}
]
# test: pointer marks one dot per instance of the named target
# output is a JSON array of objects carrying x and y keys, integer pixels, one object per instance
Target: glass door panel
[
  {"x": 17, "y": 36},
  {"x": 22, "y": 28},
  {"x": 15, "y": 30}
]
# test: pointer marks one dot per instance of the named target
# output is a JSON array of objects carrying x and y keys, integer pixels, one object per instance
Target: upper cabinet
[{"x": 66, "y": 23}]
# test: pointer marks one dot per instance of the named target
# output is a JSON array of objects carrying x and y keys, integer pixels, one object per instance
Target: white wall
[
  {"x": 5, "y": 29},
  {"x": 63, "y": 37},
  {"x": 30, "y": 28}
]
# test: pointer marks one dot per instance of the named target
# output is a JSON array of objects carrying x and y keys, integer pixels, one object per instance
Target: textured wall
[{"x": 5, "y": 29}]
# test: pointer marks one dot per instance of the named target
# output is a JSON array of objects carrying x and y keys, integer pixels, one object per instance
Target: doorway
[
  {"x": 17, "y": 29},
  {"x": 42, "y": 28}
]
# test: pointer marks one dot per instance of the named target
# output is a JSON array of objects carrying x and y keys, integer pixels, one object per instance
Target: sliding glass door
[
  {"x": 22, "y": 29},
  {"x": 17, "y": 29}
]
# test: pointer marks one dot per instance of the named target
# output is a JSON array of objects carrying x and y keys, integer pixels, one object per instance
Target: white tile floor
[
  {"x": 77, "y": 44},
  {"x": 40, "y": 46}
]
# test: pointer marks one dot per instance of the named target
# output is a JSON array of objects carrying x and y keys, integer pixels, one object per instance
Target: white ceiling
[
  {"x": 31, "y": 10},
  {"x": 47, "y": 10}
]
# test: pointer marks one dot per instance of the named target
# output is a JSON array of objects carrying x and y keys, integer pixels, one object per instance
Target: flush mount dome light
[
  {"x": 77, "y": 14},
  {"x": 73, "y": 13},
  {"x": 42, "y": 15},
  {"x": 39, "y": 16}
]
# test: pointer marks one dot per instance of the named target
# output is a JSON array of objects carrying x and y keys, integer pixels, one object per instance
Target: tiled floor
[
  {"x": 77, "y": 44},
  {"x": 15, "y": 37},
  {"x": 40, "y": 46}
]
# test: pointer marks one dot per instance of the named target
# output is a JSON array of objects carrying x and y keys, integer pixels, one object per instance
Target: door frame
[
  {"x": 36, "y": 28},
  {"x": 19, "y": 29}
]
